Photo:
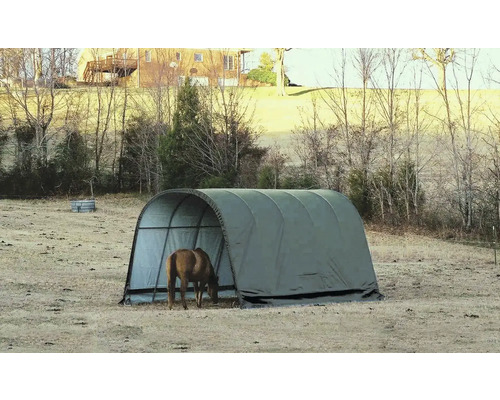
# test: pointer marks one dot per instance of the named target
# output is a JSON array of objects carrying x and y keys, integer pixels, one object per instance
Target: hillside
[
  {"x": 277, "y": 116},
  {"x": 280, "y": 115}
]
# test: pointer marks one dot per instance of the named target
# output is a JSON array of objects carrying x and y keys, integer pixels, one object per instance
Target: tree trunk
[{"x": 280, "y": 72}]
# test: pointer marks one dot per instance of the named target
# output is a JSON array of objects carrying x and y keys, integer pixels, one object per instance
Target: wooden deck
[{"x": 121, "y": 67}]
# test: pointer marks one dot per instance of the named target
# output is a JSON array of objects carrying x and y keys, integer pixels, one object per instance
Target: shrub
[
  {"x": 72, "y": 163},
  {"x": 299, "y": 179},
  {"x": 104, "y": 182},
  {"x": 3, "y": 141},
  {"x": 29, "y": 175},
  {"x": 265, "y": 76},
  {"x": 139, "y": 165},
  {"x": 216, "y": 182},
  {"x": 266, "y": 178},
  {"x": 359, "y": 193},
  {"x": 262, "y": 75},
  {"x": 38, "y": 181}
]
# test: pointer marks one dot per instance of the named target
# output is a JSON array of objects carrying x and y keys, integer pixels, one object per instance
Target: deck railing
[{"x": 112, "y": 64}]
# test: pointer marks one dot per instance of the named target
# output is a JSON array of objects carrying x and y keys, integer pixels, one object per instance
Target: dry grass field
[
  {"x": 275, "y": 118},
  {"x": 274, "y": 115},
  {"x": 62, "y": 275}
]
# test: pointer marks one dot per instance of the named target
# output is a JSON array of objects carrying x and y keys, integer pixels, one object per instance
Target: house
[{"x": 143, "y": 67}]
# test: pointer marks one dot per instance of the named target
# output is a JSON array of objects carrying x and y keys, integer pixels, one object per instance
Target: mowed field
[
  {"x": 62, "y": 276},
  {"x": 270, "y": 114}
]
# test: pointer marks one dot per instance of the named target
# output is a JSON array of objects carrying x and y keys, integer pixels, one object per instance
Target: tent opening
[{"x": 171, "y": 223}]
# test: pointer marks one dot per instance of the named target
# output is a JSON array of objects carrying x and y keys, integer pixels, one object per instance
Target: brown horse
[{"x": 191, "y": 266}]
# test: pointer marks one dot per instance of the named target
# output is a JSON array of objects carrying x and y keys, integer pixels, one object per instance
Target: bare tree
[
  {"x": 139, "y": 156},
  {"x": 365, "y": 136},
  {"x": 67, "y": 61},
  {"x": 228, "y": 134},
  {"x": 228, "y": 137},
  {"x": 467, "y": 154},
  {"x": 38, "y": 71},
  {"x": 275, "y": 160},
  {"x": 440, "y": 59},
  {"x": 388, "y": 105},
  {"x": 337, "y": 100},
  {"x": 221, "y": 133},
  {"x": 491, "y": 137},
  {"x": 491, "y": 175},
  {"x": 10, "y": 66},
  {"x": 365, "y": 63},
  {"x": 319, "y": 150},
  {"x": 164, "y": 81},
  {"x": 416, "y": 125},
  {"x": 100, "y": 110},
  {"x": 458, "y": 122},
  {"x": 356, "y": 130},
  {"x": 393, "y": 66},
  {"x": 280, "y": 70}
]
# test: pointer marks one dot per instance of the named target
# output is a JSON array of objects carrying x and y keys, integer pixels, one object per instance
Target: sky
[
  {"x": 315, "y": 30},
  {"x": 313, "y": 67}
]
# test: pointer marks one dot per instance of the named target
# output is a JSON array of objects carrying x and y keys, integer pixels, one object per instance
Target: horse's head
[{"x": 213, "y": 288}]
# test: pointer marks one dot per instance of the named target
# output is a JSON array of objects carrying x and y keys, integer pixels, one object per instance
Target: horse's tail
[
  {"x": 171, "y": 266},
  {"x": 171, "y": 276}
]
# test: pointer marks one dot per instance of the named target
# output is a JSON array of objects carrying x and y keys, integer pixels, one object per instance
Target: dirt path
[{"x": 62, "y": 276}]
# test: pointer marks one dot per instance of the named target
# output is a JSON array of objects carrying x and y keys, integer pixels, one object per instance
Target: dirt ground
[{"x": 62, "y": 276}]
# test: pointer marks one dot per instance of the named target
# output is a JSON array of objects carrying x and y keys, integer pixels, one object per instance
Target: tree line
[
  {"x": 426, "y": 158},
  {"x": 400, "y": 160},
  {"x": 111, "y": 138}
]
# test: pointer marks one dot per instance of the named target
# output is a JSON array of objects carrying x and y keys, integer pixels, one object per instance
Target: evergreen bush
[{"x": 72, "y": 164}]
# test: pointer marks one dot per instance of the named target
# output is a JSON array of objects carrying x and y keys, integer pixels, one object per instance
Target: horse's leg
[
  {"x": 196, "y": 291},
  {"x": 202, "y": 288},
  {"x": 184, "y": 284},
  {"x": 171, "y": 276}
]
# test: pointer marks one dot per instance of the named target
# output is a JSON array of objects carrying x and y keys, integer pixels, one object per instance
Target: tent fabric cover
[{"x": 269, "y": 247}]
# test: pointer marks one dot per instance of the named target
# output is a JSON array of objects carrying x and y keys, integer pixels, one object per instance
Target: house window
[
  {"x": 147, "y": 55},
  {"x": 198, "y": 57},
  {"x": 178, "y": 56},
  {"x": 228, "y": 62}
]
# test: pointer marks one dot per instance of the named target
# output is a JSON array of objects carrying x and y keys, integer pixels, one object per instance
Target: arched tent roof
[{"x": 269, "y": 247}]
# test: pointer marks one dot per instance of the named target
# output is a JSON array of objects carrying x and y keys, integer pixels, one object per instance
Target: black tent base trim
[
  {"x": 140, "y": 296},
  {"x": 177, "y": 290},
  {"x": 311, "y": 298}
]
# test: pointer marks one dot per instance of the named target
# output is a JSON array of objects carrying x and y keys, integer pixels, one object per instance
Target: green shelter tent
[{"x": 268, "y": 247}]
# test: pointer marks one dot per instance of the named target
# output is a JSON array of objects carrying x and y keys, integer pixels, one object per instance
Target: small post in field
[{"x": 495, "y": 244}]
